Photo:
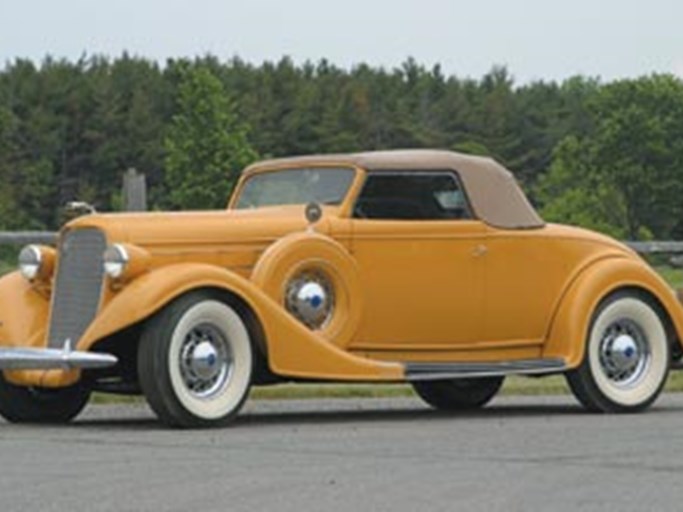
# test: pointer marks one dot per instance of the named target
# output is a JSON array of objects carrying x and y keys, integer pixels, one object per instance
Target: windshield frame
[{"x": 343, "y": 207}]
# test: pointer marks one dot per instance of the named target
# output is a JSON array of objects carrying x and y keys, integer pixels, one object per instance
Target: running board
[
  {"x": 53, "y": 359},
  {"x": 442, "y": 371}
]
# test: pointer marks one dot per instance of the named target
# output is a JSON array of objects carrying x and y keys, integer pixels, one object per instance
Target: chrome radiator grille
[{"x": 77, "y": 286}]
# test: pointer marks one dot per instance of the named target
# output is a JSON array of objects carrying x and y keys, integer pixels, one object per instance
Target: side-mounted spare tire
[
  {"x": 317, "y": 281},
  {"x": 195, "y": 361}
]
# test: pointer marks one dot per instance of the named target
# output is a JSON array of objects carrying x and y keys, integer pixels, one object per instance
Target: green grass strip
[{"x": 514, "y": 386}]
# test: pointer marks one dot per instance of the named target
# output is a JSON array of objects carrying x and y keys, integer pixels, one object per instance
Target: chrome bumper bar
[{"x": 52, "y": 359}]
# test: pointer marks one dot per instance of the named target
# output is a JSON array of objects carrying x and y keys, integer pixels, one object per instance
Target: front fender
[
  {"x": 24, "y": 313},
  {"x": 572, "y": 318},
  {"x": 293, "y": 350},
  {"x": 147, "y": 294}
]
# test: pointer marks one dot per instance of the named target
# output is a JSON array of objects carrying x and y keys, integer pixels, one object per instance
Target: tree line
[{"x": 607, "y": 156}]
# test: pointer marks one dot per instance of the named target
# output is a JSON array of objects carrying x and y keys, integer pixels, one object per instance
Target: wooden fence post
[{"x": 134, "y": 191}]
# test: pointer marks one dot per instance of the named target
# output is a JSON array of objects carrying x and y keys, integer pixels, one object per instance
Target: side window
[{"x": 412, "y": 196}]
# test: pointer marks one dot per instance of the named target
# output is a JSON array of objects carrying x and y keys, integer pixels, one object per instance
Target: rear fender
[{"x": 572, "y": 319}]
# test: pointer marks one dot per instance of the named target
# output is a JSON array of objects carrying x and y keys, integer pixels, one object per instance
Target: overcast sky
[{"x": 536, "y": 39}]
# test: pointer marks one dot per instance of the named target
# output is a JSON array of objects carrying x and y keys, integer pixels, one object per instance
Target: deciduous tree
[{"x": 206, "y": 145}]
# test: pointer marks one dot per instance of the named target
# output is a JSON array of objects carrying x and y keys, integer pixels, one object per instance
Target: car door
[{"x": 420, "y": 257}]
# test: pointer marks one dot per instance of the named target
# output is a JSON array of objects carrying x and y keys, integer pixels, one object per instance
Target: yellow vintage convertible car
[{"x": 427, "y": 267}]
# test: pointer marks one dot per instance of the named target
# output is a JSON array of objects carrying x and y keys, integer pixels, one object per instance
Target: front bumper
[{"x": 53, "y": 359}]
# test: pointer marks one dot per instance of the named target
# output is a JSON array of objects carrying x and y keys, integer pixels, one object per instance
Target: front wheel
[
  {"x": 195, "y": 362},
  {"x": 20, "y": 404},
  {"x": 458, "y": 394},
  {"x": 627, "y": 357}
]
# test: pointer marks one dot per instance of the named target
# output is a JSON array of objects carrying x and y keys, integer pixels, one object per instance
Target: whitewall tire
[
  {"x": 627, "y": 357},
  {"x": 195, "y": 362}
]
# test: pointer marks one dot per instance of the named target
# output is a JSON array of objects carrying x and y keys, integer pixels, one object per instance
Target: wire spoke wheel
[
  {"x": 624, "y": 352},
  {"x": 195, "y": 362},
  {"x": 627, "y": 356},
  {"x": 206, "y": 361}
]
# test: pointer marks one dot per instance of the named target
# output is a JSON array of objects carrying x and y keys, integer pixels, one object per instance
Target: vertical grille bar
[{"x": 78, "y": 285}]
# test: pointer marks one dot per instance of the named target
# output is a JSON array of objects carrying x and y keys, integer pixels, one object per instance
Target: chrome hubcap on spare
[
  {"x": 206, "y": 361},
  {"x": 310, "y": 298},
  {"x": 624, "y": 352}
]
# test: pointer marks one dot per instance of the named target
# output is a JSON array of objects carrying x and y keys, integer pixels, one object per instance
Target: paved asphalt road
[{"x": 525, "y": 454}]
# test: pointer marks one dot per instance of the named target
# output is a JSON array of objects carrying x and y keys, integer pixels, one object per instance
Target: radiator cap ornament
[{"x": 79, "y": 208}]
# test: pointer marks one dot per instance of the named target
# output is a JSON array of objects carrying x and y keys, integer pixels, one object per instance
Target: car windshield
[{"x": 296, "y": 186}]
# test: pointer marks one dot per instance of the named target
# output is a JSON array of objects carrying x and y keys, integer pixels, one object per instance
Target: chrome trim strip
[
  {"x": 443, "y": 371},
  {"x": 53, "y": 358}
]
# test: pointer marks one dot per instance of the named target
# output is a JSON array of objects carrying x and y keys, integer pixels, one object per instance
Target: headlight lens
[
  {"x": 115, "y": 261},
  {"x": 30, "y": 261}
]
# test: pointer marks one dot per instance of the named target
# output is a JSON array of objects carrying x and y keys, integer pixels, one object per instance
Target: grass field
[
  {"x": 673, "y": 276},
  {"x": 555, "y": 385},
  {"x": 513, "y": 385}
]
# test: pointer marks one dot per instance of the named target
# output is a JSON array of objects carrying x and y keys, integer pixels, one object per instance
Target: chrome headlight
[
  {"x": 30, "y": 261},
  {"x": 116, "y": 260}
]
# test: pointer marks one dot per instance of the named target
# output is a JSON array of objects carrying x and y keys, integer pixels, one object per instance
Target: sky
[{"x": 535, "y": 39}]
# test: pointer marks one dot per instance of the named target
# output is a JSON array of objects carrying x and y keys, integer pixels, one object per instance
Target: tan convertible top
[{"x": 492, "y": 190}]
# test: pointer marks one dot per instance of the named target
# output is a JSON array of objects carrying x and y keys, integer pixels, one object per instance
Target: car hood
[{"x": 200, "y": 228}]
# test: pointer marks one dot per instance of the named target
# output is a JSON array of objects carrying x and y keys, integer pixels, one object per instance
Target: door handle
[{"x": 480, "y": 250}]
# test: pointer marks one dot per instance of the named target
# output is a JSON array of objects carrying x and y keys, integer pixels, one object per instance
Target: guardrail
[
  {"x": 657, "y": 247},
  {"x": 27, "y": 237},
  {"x": 49, "y": 237}
]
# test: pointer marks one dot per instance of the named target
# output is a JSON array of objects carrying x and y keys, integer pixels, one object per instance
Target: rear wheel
[
  {"x": 458, "y": 394},
  {"x": 627, "y": 357},
  {"x": 20, "y": 404},
  {"x": 195, "y": 362}
]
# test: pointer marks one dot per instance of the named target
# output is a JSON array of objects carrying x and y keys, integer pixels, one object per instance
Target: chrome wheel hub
[
  {"x": 310, "y": 298},
  {"x": 624, "y": 352},
  {"x": 205, "y": 361}
]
